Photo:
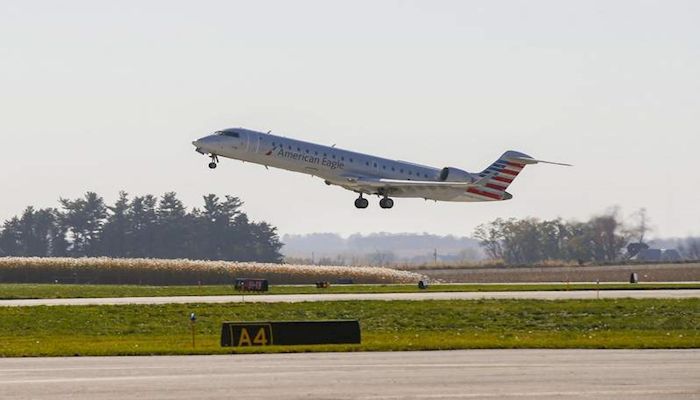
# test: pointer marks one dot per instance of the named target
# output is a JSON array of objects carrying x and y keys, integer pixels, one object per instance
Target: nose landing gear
[
  {"x": 361, "y": 202},
  {"x": 214, "y": 160}
]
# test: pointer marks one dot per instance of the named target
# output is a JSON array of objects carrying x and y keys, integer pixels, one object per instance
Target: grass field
[
  {"x": 54, "y": 291},
  {"x": 395, "y": 325}
]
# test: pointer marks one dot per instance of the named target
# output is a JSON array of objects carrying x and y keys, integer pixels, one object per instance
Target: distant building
[{"x": 656, "y": 255}]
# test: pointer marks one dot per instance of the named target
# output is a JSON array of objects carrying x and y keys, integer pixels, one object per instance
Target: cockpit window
[{"x": 229, "y": 133}]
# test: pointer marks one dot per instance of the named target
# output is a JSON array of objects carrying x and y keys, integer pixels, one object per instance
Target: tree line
[
  {"x": 601, "y": 239},
  {"x": 141, "y": 227}
]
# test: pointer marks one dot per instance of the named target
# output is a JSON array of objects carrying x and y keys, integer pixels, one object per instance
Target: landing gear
[
  {"x": 386, "y": 202},
  {"x": 214, "y": 160},
  {"x": 361, "y": 202}
]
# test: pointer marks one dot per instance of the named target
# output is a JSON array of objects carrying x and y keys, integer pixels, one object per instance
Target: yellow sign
[{"x": 251, "y": 334}]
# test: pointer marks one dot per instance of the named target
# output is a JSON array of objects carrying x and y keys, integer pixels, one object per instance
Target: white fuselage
[{"x": 332, "y": 164}]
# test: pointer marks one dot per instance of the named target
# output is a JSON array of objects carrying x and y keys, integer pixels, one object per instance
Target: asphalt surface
[
  {"x": 469, "y": 374},
  {"x": 295, "y": 298}
]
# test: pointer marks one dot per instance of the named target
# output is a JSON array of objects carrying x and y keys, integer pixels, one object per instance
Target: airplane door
[{"x": 252, "y": 144}]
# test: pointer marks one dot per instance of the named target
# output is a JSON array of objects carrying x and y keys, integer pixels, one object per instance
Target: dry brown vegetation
[
  {"x": 677, "y": 272},
  {"x": 183, "y": 272}
]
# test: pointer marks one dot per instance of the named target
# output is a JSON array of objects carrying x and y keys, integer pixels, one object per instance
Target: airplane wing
[
  {"x": 427, "y": 189},
  {"x": 389, "y": 186}
]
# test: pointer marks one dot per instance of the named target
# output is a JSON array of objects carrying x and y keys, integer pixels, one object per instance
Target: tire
[
  {"x": 212, "y": 165},
  {"x": 386, "y": 203},
  {"x": 361, "y": 202}
]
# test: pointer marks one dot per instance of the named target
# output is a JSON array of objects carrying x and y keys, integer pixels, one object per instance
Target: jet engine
[{"x": 449, "y": 174}]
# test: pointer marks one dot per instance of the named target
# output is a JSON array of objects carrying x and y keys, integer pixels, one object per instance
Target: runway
[
  {"x": 468, "y": 374},
  {"x": 295, "y": 298}
]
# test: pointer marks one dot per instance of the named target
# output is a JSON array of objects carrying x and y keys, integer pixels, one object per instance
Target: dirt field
[{"x": 608, "y": 273}]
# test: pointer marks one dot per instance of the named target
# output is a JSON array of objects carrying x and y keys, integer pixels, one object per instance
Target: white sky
[{"x": 105, "y": 96}]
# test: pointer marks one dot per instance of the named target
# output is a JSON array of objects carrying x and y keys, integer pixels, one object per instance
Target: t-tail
[{"x": 494, "y": 180}]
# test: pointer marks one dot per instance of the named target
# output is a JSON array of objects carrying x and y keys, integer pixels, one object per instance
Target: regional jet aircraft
[{"x": 365, "y": 174}]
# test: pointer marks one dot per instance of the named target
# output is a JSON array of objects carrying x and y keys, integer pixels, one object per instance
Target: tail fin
[{"x": 500, "y": 174}]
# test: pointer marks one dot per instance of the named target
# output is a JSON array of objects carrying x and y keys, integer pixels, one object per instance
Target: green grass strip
[
  {"x": 54, "y": 291},
  {"x": 386, "y": 325}
]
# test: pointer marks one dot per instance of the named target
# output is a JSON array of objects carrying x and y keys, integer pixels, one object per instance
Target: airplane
[{"x": 366, "y": 174}]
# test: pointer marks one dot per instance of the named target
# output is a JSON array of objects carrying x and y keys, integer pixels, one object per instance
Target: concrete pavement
[
  {"x": 468, "y": 374},
  {"x": 295, "y": 298}
]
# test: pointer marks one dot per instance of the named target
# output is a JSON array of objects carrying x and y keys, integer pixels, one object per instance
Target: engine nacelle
[{"x": 449, "y": 174}]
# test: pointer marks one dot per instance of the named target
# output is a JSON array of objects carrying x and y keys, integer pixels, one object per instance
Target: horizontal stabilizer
[{"x": 530, "y": 160}]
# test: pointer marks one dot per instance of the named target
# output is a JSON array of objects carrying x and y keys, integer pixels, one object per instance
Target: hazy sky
[{"x": 106, "y": 96}]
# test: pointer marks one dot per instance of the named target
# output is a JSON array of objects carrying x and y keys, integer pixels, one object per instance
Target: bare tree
[{"x": 642, "y": 227}]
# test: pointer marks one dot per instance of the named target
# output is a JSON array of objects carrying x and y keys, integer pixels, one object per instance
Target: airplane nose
[
  {"x": 201, "y": 142},
  {"x": 200, "y": 145}
]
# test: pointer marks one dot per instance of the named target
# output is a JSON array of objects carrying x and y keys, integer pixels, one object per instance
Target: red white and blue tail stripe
[{"x": 492, "y": 182}]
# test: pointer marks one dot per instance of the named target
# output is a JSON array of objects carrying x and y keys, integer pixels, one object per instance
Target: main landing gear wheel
[
  {"x": 361, "y": 202},
  {"x": 386, "y": 203},
  {"x": 214, "y": 160}
]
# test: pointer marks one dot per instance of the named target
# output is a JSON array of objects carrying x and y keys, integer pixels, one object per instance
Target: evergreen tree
[
  {"x": 10, "y": 238},
  {"x": 143, "y": 227},
  {"x": 172, "y": 228},
  {"x": 83, "y": 219},
  {"x": 36, "y": 232},
  {"x": 116, "y": 230}
]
